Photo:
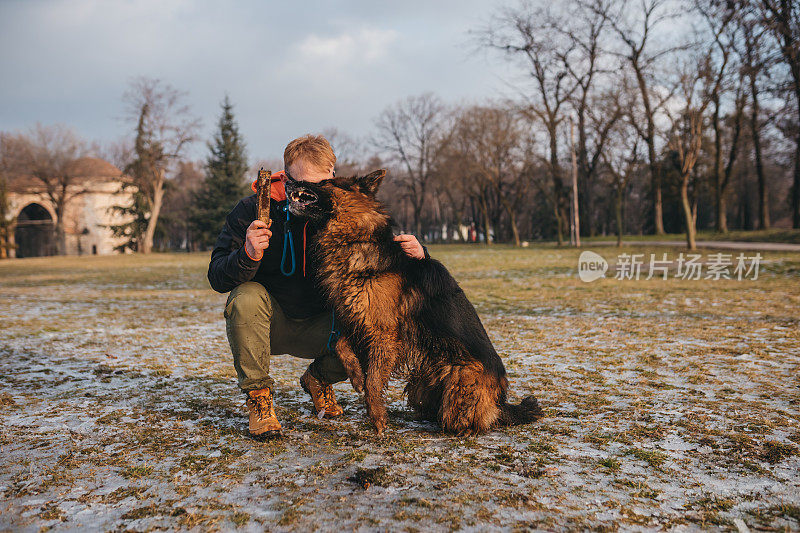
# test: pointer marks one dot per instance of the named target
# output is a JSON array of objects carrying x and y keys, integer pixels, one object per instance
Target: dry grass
[{"x": 668, "y": 403}]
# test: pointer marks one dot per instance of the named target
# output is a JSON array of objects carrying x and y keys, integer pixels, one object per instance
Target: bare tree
[
  {"x": 452, "y": 186},
  {"x": 177, "y": 233},
  {"x": 700, "y": 80},
  {"x": 48, "y": 154},
  {"x": 584, "y": 25},
  {"x": 782, "y": 19},
  {"x": 621, "y": 162},
  {"x": 635, "y": 24},
  {"x": 119, "y": 152},
  {"x": 164, "y": 128},
  {"x": 457, "y": 168},
  {"x": 454, "y": 177},
  {"x": 723, "y": 172},
  {"x": 721, "y": 28},
  {"x": 530, "y": 34},
  {"x": 7, "y": 221},
  {"x": 409, "y": 133},
  {"x": 753, "y": 67},
  {"x": 491, "y": 141},
  {"x": 350, "y": 155},
  {"x": 605, "y": 111}
]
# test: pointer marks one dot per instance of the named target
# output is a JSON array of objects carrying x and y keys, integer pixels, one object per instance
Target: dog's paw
[{"x": 358, "y": 383}]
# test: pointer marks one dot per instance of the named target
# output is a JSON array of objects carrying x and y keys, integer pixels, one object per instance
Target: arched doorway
[{"x": 35, "y": 232}]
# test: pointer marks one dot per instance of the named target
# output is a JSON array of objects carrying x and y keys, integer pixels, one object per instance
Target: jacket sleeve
[
  {"x": 230, "y": 265},
  {"x": 427, "y": 254}
]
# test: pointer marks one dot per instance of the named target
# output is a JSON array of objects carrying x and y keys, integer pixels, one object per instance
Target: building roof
[
  {"x": 83, "y": 169},
  {"x": 93, "y": 167}
]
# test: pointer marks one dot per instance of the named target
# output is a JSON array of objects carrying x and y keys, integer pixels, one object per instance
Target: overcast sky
[{"x": 289, "y": 67}]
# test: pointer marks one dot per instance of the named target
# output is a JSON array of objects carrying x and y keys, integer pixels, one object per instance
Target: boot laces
[
  {"x": 263, "y": 405},
  {"x": 327, "y": 394}
]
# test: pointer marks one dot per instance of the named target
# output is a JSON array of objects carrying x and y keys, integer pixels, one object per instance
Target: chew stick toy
[{"x": 263, "y": 190}]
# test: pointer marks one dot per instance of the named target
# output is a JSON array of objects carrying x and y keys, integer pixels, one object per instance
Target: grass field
[
  {"x": 670, "y": 405},
  {"x": 791, "y": 236}
]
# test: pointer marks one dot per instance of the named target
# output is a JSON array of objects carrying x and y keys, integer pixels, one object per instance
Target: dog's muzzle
[{"x": 302, "y": 197}]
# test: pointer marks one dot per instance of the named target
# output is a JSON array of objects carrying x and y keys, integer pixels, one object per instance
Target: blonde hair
[{"x": 315, "y": 150}]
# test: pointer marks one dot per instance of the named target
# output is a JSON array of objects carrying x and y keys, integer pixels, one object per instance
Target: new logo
[{"x": 591, "y": 266}]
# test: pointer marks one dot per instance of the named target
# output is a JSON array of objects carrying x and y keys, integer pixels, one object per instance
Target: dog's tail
[{"x": 527, "y": 411}]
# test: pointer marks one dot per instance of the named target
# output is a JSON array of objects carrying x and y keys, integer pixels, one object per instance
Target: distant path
[{"x": 723, "y": 245}]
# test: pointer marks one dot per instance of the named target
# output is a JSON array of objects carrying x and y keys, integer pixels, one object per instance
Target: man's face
[{"x": 301, "y": 171}]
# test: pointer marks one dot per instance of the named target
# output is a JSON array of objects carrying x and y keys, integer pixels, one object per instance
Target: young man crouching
[{"x": 274, "y": 305}]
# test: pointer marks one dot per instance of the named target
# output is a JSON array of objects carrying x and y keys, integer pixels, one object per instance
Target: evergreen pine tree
[{"x": 224, "y": 183}]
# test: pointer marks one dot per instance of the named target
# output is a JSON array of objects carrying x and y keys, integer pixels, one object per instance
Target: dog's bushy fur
[{"x": 403, "y": 315}]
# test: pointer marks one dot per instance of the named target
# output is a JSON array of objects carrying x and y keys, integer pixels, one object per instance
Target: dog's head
[{"x": 334, "y": 198}]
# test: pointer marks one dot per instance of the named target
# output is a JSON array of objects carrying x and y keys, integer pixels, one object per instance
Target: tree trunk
[
  {"x": 659, "y": 210},
  {"x": 655, "y": 176},
  {"x": 416, "y": 212},
  {"x": 61, "y": 234},
  {"x": 721, "y": 225},
  {"x": 155, "y": 211},
  {"x": 460, "y": 220},
  {"x": 688, "y": 215},
  {"x": 558, "y": 187},
  {"x": 722, "y": 215},
  {"x": 514, "y": 229},
  {"x": 796, "y": 184},
  {"x": 486, "y": 223},
  {"x": 585, "y": 197},
  {"x": 745, "y": 221},
  {"x": 575, "y": 208},
  {"x": 559, "y": 224},
  {"x": 763, "y": 193},
  {"x": 722, "y": 210},
  {"x": 512, "y": 220},
  {"x": 792, "y": 57},
  {"x": 618, "y": 212}
]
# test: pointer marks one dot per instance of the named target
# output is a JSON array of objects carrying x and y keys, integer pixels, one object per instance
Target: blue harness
[{"x": 288, "y": 244}]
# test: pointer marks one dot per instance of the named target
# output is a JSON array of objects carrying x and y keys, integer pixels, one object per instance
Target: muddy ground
[{"x": 670, "y": 405}]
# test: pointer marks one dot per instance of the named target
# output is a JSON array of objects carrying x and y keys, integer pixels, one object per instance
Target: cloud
[
  {"x": 336, "y": 67},
  {"x": 288, "y": 69},
  {"x": 365, "y": 45}
]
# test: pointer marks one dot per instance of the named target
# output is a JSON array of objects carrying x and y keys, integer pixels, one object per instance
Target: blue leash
[
  {"x": 332, "y": 338},
  {"x": 287, "y": 242}
]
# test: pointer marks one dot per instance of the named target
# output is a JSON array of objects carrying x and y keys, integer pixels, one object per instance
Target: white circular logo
[{"x": 591, "y": 266}]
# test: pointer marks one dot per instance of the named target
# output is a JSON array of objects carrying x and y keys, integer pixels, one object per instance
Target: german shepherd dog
[{"x": 401, "y": 315}]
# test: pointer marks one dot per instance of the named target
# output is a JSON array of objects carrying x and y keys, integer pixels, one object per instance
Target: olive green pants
[{"x": 258, "y": 328}]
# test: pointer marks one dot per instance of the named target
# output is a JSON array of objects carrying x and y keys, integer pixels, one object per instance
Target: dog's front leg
[
  {"x": 373, "y": 396},
  {"x": 379, "y": 367},
  {"x": 351, "y": 363}
]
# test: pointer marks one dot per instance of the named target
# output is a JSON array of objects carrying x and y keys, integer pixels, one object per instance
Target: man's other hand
[
  {"x": 256, "y": 239},
  {"x": 411, "y": 246}
]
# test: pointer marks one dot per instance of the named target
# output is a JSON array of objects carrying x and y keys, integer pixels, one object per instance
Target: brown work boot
[
  {"x": 321, "y": 395},
  {"x": 263, "y": 422}
]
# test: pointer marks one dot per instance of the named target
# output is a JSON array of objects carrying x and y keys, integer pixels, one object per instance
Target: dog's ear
[{"x": 369, "y": 184}]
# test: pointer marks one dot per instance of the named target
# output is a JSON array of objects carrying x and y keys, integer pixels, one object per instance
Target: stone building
[{"x": 97, "y": 186}]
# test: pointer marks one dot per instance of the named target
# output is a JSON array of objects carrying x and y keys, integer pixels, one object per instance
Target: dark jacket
[
  {"x": 298, "y": 294},
  {"x": 230, "y": 265}
]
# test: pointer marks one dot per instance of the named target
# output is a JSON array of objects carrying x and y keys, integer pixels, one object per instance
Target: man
[{"x": 274, "y": 305}]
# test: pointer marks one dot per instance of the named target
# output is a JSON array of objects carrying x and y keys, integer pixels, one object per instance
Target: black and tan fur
[{"x": 403, "y": 315}]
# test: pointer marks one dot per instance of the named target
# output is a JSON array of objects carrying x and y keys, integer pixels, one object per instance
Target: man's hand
[
  {"x": 257, "y": 239},
  {"x": 411, "y": 246}
]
